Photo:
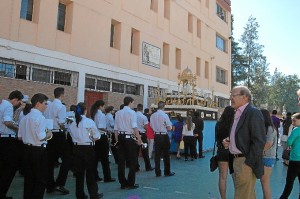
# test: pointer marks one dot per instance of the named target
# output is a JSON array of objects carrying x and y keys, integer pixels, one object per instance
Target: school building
[{"x": 107, "y": 49}]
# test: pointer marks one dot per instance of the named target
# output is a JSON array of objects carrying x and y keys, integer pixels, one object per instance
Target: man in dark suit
[{"x": 246, "y": 143}]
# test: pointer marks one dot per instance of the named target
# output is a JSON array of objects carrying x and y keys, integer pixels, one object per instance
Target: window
[
  {"x": 220, "y": 12},
  {"x": 166, "y": 50},
  {"x": 21, "y": 72},
  {"x": 190, "y": 23},
  {"x": 115, "y": 34},
  {"x": 152, "y": 91},
  {"x": 135, "y": 42},
  {"x": 133, "y": 89},
  {"x": 222, "y": 102},
  {"x": 167, "y": 7},
  {"x": 26, "y": 9},
  {"x": 221, "y": 75},
  {"x": 61, "y": 17},
  {"x": 198, "y": 28},
  {"x": 198, "y": 66},
  {"x": 154, "y": 5},
  {"x": 178, "y": 59},
  {"x": 41, "y": 75},
  {"x": 220, "y": 43},
  {"x": 6, "y": 69},
  {"x": 90, "y": 83},
  {"x": 117, "y": 87},
  {"x": 103, "y": 85},
  {"x": 206, "y": 70},
  {"x": 62, "y": 78}
]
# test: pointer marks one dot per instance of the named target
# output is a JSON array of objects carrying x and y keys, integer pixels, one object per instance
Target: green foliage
[{"x": 250, "y": 68}]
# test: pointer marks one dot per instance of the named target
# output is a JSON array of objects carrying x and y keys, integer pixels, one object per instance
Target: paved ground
[{"x": 192, "y": 180}]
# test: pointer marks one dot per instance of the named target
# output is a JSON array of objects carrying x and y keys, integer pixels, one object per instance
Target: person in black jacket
[
  {"x": 222, "y": 131},
  {"x": 199, "y": 125}
]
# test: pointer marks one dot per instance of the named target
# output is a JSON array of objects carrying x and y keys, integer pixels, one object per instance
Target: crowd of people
[{"x": 246, "y": 139}]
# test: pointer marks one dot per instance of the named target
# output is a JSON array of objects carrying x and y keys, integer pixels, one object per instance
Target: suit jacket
[{"x": 250, "y": 138}]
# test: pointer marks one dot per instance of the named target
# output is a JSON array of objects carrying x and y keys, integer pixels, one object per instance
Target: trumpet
[{"x": 144, "y": 145}]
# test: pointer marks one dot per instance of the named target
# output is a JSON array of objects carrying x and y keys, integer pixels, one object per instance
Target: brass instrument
[{"x": 46, "y": 130}]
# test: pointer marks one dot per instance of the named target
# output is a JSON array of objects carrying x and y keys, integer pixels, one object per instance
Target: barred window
[
  {"x": 134, "y": 90},
  {"x": 41, "y": 75},
  {"x": 117, "y": 87},
  {"x": 21, "y": 71},
  {"x": 89, "y": 83},
  {"x": 103, "y": 85},
  {"x": 62, "y": 78}
]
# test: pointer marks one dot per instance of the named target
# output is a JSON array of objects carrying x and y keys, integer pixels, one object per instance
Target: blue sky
[{"x": 279, "y": 30}]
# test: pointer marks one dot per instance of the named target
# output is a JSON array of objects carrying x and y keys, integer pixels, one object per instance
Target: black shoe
[
  {"x": 150, "y": 169},
  {"x": 158, "y": 175},
  {"x": 123, "y": 186},
  {"x": 135, "y": 186},
  {"x": 170, "y": 174},
  {"x": 202, "y": 156},
  {"x": 50, "y": 190},
  {"x": 192, "y": 159},
  {"x": 185, "y": 159},
  {"x": 99, "y": 179},
  {"x": 82, "y": 197},
  {"x": 99, "y": 196},
  {"x": 62, "y": 190},
  {"x": 110, "y": 180}
]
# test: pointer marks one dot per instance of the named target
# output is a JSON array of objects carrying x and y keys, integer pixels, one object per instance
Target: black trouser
[
  {"x": 189, "y": 145},
  {"x": 21, "y": 157},
  {"x": 35, "y": 172},
  {"x": 58, "y": 146},
  {"x": 199, "y": 138},
  {"x": 84, "y": 163},
  {"x": 292, "y": 172},
  {"x": 145, "y": 152},
  {"x": 102, "y": 151},
  {"x": 114, "y": 150},
  {"x": 8, "y": 163},
  {"x": 127, "y": 147},
  {"x": 162, "y": 147}
]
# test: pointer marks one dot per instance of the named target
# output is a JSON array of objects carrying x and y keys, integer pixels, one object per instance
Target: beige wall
[{"x": 87, "y": 34}]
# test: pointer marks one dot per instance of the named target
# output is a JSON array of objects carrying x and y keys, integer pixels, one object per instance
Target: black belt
[
  {"x": 142, "y": 132},
  {"x": 124, "y": 133},
  {"x": 44, "y": 145},
  {"x": 161, "y": 133},
  {"x": 7, "y": 136},
  {"x": 238, "y": 155},
  {"x": 57, "y": 131},
  {"x": 84, "y": 144}
]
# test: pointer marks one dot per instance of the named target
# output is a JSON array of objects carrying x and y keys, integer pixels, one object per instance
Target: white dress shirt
[
  {"x": 110, "y": 122},
  {"x": 32, "y": 128},
  {"x": 142, "y": 120},
  {"x": 86, "y": 129},
  {"x": 159, "y": 121},
  {"x": 100, "y": 120},
  {"x": 125, "y": 120},
  {"x": 56, "y": 111},
  {"x": 6, "y": 115}
]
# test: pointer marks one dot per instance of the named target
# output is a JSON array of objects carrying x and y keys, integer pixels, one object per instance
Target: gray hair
[
  {"x": 244, "y": 91},
  {"x": 160, "y": 105}
]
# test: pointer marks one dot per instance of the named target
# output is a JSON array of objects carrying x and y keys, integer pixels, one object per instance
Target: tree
[
  {"x": 238, "y": 69},
  {"x": 254, "y": 63},
  {"x": 283, "y": 92}
]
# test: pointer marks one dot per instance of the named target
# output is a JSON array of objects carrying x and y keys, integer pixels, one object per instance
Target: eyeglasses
[{"x": 234, "y": 95}]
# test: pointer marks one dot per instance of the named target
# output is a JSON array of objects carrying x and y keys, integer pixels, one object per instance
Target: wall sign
[{"x": 150, "y": 55}]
